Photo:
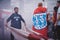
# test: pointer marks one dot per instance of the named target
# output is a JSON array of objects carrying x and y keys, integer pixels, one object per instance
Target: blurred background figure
[
  {"x": 57, "y": 24},
  {"x": 55, "y": 11},
  {"x": 50, "y": 25},
  {"x": 55, "y": 17}
]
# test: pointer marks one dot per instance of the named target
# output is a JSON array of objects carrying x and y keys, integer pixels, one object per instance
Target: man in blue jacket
[{"x": 15, "y": 19}]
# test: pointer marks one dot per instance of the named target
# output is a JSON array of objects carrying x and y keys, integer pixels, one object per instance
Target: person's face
[{"x": 16, "y": 10}]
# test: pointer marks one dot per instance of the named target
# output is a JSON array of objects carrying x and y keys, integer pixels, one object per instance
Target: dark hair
[
  {"x": 15, "y": 8},
  {"x": 58, "y": 1},
  {"x": 40, "y": 4}
]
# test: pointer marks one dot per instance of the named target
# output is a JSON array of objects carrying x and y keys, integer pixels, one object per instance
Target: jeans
[{"x": 12, "y": 37}]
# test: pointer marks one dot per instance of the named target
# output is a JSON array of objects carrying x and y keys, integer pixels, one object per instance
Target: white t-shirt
[{"x": 58, "y": 12}]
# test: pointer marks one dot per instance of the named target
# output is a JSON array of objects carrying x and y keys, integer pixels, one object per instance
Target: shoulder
[
  {"x": 12, "y": 14},
  {"x": 19, "y": 15},
  {"x": 44, "y": 9},
  {"x": 37, "y": 10}
]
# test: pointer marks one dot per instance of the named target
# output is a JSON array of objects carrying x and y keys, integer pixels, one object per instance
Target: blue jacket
[{"x": 15, "y": 19}]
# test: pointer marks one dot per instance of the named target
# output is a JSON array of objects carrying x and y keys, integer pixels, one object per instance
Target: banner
[{"x": 39, "y": 20}]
